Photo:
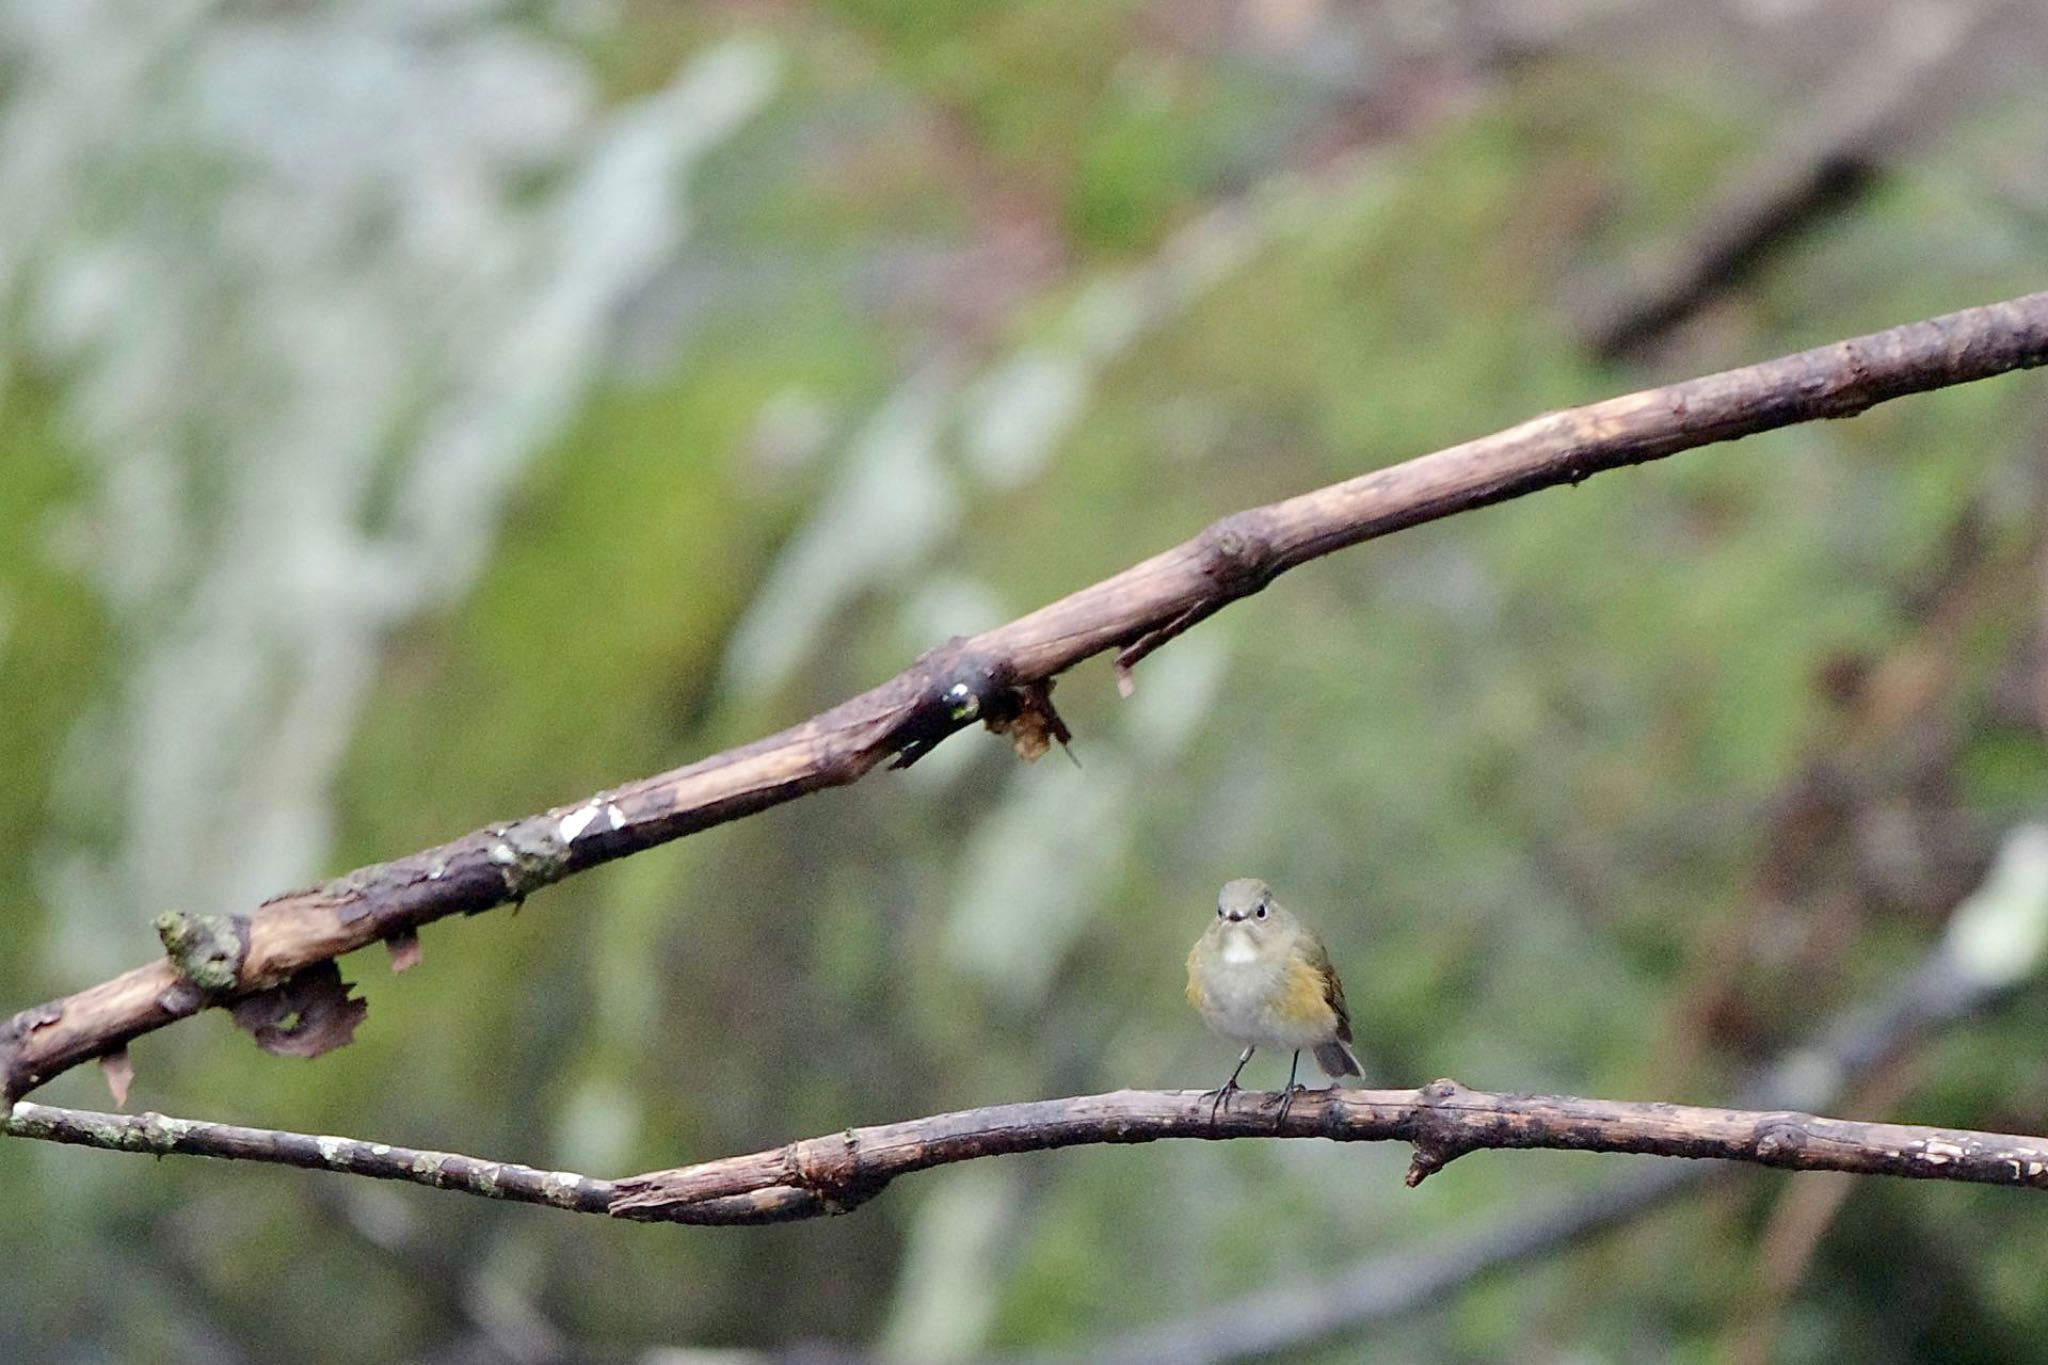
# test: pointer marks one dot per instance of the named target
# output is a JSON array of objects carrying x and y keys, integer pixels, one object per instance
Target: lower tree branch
[
  {"x": 159, "y": 1135},
  {"x": 834, "y": 1174},
  {"x": 1000, "y": 678},
  {"x": 1443, "y": 1120}
]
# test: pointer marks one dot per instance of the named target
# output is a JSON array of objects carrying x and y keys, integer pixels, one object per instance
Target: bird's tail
[{"x": 1336, "y": 1060}]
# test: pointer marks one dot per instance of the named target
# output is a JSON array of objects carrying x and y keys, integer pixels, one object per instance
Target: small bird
[{"x": 1260, "y": 977}]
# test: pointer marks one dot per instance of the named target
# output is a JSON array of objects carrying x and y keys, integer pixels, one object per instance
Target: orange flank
[{"x": 1307, "y": 997}]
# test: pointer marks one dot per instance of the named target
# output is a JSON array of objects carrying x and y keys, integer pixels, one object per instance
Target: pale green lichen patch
[
  {"x": 155, "y": 1132},
  {"x": 206, "y": 949},
  {"x": 431, "y": 1167},
  {"x": 350, "y": 885},
  {"x": 172, "y": 1129},
  {"x": 529, "y": 854},
  {"x": 109, "y": 1131}
]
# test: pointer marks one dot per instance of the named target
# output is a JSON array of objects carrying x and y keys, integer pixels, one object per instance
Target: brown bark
[{"x": 1443, "y": 1121}]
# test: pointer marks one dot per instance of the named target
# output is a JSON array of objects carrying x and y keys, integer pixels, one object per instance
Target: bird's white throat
[{"x": 1237, "y": 947}]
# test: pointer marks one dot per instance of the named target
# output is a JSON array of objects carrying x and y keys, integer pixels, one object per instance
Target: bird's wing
[{"x": 1333, "y": 989}]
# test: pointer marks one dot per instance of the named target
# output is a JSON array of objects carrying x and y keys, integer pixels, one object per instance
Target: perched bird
[{"x": 1260, "y": 977}]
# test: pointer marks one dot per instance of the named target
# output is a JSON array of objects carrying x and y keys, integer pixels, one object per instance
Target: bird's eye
[
  {"x": 1219, "y": 912},
  {"x": 1261, "y": 911}
]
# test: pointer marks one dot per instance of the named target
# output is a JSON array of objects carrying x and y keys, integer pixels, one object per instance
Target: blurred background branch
[{"x": 1889, "y": 89}]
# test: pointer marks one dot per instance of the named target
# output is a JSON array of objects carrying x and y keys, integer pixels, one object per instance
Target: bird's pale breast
[{"x": 1276, "y": 1001}]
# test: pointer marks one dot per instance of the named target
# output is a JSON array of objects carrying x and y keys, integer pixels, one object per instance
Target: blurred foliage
[{"x": 1520, "y": 768}]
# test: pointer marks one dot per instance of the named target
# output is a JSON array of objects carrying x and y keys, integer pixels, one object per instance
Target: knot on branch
[
  {"x": 829, "y": 1170},
  {"x": 955, "y": 685},
  {"x": 958, "y": 685},
  {"x": 1782, "y": 1138},
  {"x": 499, "y": 864},
  {"x": 1237, "y": 554},
  {"x": 1236, "y": 557},
  {"x": 1438, "y": 1137},
  {"x": 16, "y": 1079},
  {"x": 529, "y": 854},
  {"x": 207, "y": 951}
]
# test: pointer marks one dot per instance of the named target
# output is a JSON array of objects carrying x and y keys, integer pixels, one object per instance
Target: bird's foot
[
  {"x": 1287, "y": 1103},
  {"x": 1217, "y": 1097}
]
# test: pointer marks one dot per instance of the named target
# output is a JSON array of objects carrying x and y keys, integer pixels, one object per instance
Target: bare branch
[
  {"x": 835, "y": 1174},
  {"x": 999, "y": 677},
  {"x": 1443, "y": 1121},
  {"x": 159, "y": 1135}
]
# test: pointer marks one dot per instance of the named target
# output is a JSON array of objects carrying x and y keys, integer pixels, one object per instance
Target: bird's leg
[
  {"x": 1223, "y": 1092},
  {"x": 1287, "y": 1096}
]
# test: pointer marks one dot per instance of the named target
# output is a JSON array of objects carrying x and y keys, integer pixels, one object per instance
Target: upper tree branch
[{"x": 1000, "y": 677}]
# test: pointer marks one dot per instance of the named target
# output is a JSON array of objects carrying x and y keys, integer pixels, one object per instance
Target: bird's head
[{"x": 1246, "y": 908}]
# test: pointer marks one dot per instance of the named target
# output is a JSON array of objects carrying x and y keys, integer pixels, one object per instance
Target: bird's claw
[
  {"x": 1217, "y": 1097},
  {"x": 1287, "y": 1102}
]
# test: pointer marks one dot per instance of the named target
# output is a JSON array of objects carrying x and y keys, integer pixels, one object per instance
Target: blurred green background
[{"x": 418, "y": 414}]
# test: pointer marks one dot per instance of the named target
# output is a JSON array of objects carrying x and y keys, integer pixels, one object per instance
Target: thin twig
[
  {"x": 998, "y": 677},
  {"x": 159, "y": 1135}
]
